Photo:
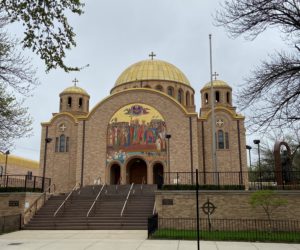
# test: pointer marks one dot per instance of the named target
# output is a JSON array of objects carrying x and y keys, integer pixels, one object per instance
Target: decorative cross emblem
[
  {"x": 220, "y": 123},
  {"x": 152, "y": 55},
  {"x": 62, "y": 127},
  {"x": 208, "y": 207},
  {"x": 75, "y": 82},
  {"x": 215, "y": 75}
]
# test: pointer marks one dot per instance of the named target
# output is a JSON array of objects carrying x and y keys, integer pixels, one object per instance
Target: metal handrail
[
  {"x": 143, "y": 182},
  {"x": 34, "y": 204},
  {"x": 88, "y": 213},
  {"x": 154, "y": 208},
  {"x": 63, "y": 203},
  {"x": 126, "y": 200}
]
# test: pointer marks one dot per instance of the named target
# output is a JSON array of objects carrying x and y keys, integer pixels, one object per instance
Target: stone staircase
[{"x": 106, "y": 213}]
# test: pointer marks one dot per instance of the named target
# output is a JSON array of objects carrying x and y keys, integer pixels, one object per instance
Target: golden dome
[
  {"x": 74, "y": 90},
  {"x": 152, "y": 70},
  {"x": 217, "y": 84}
]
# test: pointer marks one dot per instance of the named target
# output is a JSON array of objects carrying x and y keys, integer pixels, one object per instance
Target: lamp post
[
  {"x": 168, "y": 136},
  {"x": 47, "y": 140},
  {"x": 257, "y": 142},
  {"x": 249, "y": 148}
]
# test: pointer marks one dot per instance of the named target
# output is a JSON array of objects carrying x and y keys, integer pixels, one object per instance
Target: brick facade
[{"x": 190, "y": 142}]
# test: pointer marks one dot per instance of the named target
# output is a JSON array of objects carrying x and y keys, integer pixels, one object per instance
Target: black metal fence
[
  {"x": 10, "y": 223},
  {"x": 241, "y": 180},
  {"x": 224, "y": 229},
  {"x": 23, "y": 183}
]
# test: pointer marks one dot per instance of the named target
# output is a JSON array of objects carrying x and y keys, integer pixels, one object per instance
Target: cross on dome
[
  {"x": 75, "y": 82},
  {"x": 152, "y": 55},
  {"x": 215, "y": 75}
]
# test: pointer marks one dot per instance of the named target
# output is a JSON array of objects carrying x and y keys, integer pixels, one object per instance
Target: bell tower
[{"x": 74, "y": 100}]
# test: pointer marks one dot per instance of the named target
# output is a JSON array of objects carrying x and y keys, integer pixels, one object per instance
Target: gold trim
[
  {"x": 75, "y": 119},
  {"x": 139, "y": 89},
  {"x": 233, "y": 114}
]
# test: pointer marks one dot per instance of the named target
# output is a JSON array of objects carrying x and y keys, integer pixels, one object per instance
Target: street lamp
[
  {"x": 258, "y": 148},
  {"x": 168, "y": 136},
  {"x": 249, "y": 148},
  {"x": 47, "y": 140}
]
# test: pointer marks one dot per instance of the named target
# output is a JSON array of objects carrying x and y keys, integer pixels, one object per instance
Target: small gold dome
[
  {"x": 216, "y": 84},
  {"x": 74, "y": 90},
  {"x": 152, "y": 70}
]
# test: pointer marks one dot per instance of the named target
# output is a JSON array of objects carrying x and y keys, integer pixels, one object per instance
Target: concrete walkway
[{"x": 114, "y": 240}]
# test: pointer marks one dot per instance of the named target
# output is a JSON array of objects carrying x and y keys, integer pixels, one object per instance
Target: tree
[
  {"x": 268, "y": 200},
  {"x": 16, "y": 75},
  {"x": 273, "y": 88},
  {"x": 47, "y": 31}
]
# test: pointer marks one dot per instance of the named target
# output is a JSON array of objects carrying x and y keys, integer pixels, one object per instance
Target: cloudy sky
[{"x": 112, "y": 35}]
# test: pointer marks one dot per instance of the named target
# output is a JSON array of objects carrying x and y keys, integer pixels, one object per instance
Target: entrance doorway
[
  {"x": 158, "y": 174},
  {"x": 115, "y": 174},
  {"x": 137, "y": 171}
]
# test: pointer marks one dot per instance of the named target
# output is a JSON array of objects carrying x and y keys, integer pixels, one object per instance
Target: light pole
[
  {"x": 168, "y": 136},
  {"x": 47, "y": 140},
  {"x": 257, "y": 142},
  {"x": 249, "y": 148}
]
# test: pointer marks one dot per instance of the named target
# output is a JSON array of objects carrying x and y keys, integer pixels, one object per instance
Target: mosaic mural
[{"x": 136, "y": 129}]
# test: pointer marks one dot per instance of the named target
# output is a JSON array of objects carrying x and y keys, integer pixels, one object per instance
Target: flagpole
[{"x": 213, "y": 124}]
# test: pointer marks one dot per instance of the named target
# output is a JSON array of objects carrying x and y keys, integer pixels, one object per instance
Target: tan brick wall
[
  {"x": 229, "y": 205},
  {"x": 21, "y": 197}
]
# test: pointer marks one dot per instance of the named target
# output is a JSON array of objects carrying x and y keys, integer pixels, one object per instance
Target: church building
[{"x": 147, "y": 126}]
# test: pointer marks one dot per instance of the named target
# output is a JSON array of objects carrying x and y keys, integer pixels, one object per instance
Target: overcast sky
[{"x": 112, "y": 35}]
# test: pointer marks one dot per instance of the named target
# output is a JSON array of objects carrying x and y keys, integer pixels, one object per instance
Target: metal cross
[
  {"x": 215, "y": 75},
  {"x": 220, "y": 123},
  {"x": 62, "y": 127},
  {"x": 75, "y": 82},
  {"x": 152, "y": 55}
]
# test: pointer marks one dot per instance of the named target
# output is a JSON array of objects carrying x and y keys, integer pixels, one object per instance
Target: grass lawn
[{"x": 227, "y": 235}]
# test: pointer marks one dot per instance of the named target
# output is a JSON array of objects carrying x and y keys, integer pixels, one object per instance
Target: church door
[
  {"x": 114, "y": 174},
  {"x": 158, "y": 174},
  {"x": 137, "y": 171}
]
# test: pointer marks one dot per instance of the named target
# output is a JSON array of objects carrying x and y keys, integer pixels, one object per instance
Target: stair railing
[
  {"x": 65, "y": 200},
  {"x": 88, "y": 213},
  {"x": 118, "y": 183},
  {"x": 29, "y": 212},
  {"x": 143, "y": 182},
  {"x": 126, "y": 200},
  {"x": 154, "y": 208}
]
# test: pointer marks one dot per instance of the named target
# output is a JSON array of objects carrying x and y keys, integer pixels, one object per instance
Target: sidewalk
[{"x": 115, "y": 240}]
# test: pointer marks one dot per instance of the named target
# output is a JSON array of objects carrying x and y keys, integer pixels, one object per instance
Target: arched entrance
[
  {"x": 115, "y": 174},
  {"x": 136, "y": 171},
  {"x": 158, "y": 174}
]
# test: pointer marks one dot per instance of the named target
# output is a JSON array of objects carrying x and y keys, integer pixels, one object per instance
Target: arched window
[
  {"x": 180, "y": 95},
  {"x": 217, "y": 96},
  {"x": 228, "y": 97},
  {"x": 87, "y": 104},
  {"x": 69, "y": 102},
  {"x": 187, "y": 98},
  {"x": 80, "y": 102},
  {"x": 206, "y": 98},
  {"x": 60, "y": 104},
  {"x": 192, "y": 99},
  {"x": 159, "y": 88},
  {"x": 62, "y": 143},
  {"x": 221, "y": 139},
  {"x": 170, "y": 91},
  {"x": 147, "y": 86},
  {"x": 227, "y": 140}
]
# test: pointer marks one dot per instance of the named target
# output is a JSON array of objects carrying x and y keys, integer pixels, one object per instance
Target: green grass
[{"x": 227, "y": 235}]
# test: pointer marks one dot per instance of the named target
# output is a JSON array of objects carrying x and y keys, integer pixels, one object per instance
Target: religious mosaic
[{"x": 136, "y": 129}]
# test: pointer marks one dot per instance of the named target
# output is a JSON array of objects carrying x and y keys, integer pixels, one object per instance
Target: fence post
[
  {"x": 34, "y": 180},
  {"x": 25, "y": 183},
  {"x": 197, "y": 207},
  {"x": 6, "y": 184}
]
